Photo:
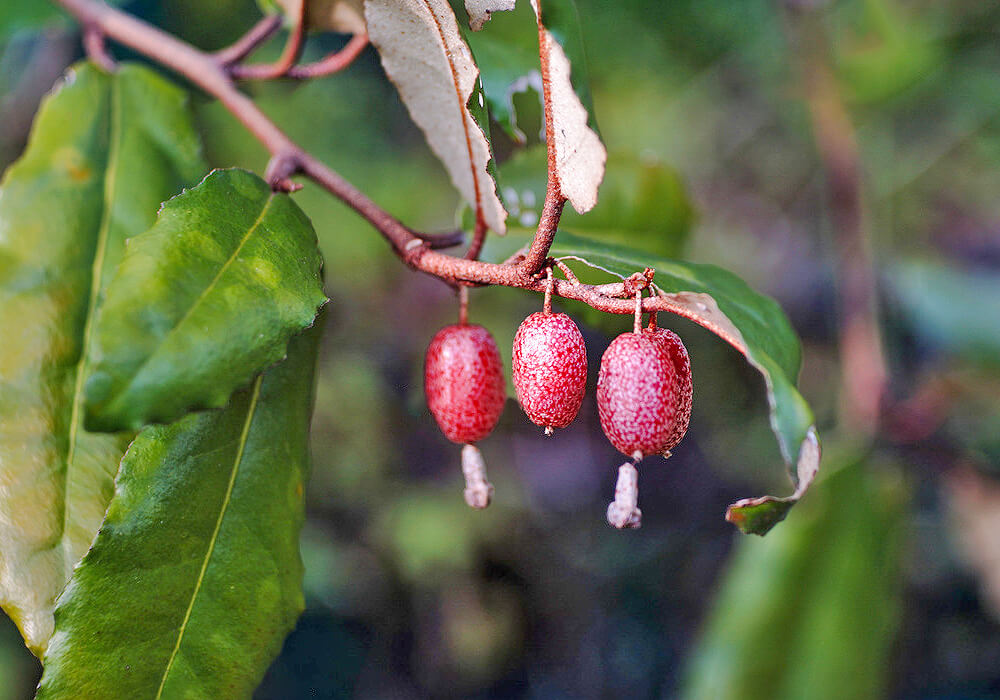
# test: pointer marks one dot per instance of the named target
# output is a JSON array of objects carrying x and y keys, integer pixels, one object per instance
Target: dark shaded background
[{"x": 885, "y": 582}]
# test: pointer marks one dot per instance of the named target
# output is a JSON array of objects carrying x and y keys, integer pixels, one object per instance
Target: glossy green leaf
[
  {"x": 753, "y": 324},
  {"x": 202, "y": 302},
  {"x": 811, "y": 611},
  {"x": 104, "y": 152},
  {"x": 200, "y": 544}
]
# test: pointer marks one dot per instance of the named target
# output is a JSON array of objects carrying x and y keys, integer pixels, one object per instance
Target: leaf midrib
[
  {"x": 244, "y": 436},
  {"x": 201, "y": 297},
  {"x": 462, "y": 109}
]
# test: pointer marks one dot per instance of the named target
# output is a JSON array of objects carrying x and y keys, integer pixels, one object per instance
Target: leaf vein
[
  {"x": 244, "y": 436},
  {"x": 462, "y": 109},
  {"x": 204, "y": 293}
]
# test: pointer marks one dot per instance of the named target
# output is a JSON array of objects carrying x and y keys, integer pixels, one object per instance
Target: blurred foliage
[
  {"x": 811, "y": 612},
  {"x": 413, "y": 596}
]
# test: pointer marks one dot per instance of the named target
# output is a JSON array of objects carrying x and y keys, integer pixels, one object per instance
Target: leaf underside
[
  {"x": 752, "y": 323},
  {"x": 202, "y": 302},
  {"x": 104, "y": 152},
  {"x": 200, "y": 544},
  {"x": 579, "y": 154},
  {"x": 424, "y": 55}
]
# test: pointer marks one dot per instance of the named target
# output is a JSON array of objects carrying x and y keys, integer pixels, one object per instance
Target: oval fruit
[
  {"x": 636, "y": 398},
  {"x": 463, "y": 382},
  {"x": 550, "y": 369},
  {"x": 683, "y": 388}
]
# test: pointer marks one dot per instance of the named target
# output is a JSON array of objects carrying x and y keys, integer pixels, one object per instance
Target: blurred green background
[{"x": 883, "y": 583}]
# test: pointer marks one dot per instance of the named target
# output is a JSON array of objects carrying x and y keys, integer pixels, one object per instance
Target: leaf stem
[
  {"x": 289, "y": 55},
  {"x": 245, "y": 45},
  {"x": 332, "y": 63}
]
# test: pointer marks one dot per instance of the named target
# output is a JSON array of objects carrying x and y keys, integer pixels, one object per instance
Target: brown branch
[
  {"x": 333, "y": 63},
  {"x": 289, "y": 56},
  {"x": 478, "y": 239},
  {"x": 245, "y": 45},
  {"x": 289, "y": 159},
  {"x": 548, "y": 221}
]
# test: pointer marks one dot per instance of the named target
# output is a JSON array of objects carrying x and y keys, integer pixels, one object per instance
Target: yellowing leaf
[
  {"x": 580, "y": 155},
  {"x": 105, "y": 150},
  {"x": 480, "y": 10},
  {"x": 432, "y": 67}
]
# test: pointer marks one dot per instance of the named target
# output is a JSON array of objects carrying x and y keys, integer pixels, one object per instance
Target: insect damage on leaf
[{"x": 480, "y": 10}]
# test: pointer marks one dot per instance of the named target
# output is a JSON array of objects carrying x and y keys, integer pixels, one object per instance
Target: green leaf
[
  {"x": 753, "y": 324},
  {"x": 26, "y": 14},
  {"x": 16, "y": 15},
  {"x": 195, "y": 577},
  {"x": 954, "y": 309},
  {"x": 507, "y": 54},
  {"x": 202, "y": 302},
  {"x": 811, "y": 611},
  {"x": 643, "y": 204},
  {"x": 884, "y": 53},
  {"x": 104, "y": 152}
]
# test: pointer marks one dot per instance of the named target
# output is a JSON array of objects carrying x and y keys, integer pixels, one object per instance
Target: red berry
[
  {"x": 682, "y": 381},
  {"x": 550, "y": 369},
  {"x": 636, "y": 401},
  {"x": 463, "y": 381}
]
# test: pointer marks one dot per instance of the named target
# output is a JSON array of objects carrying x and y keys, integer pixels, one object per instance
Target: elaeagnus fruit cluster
[{"x": 644, "y": 393}]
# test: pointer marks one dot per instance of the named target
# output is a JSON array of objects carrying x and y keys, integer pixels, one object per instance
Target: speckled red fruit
[
  {"x": 463, "y": 381},
  {"x": 683, "y": 389},
  {"x": 635, "y": 394},
  {"x": 550, "y": 369}
]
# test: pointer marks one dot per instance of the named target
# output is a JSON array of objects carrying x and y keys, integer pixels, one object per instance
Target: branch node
[
  {"x": 280, "y": 170},
  {"x": 564, "y": 268}
]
